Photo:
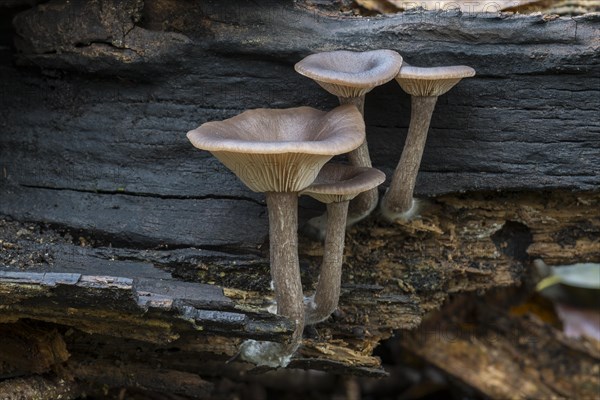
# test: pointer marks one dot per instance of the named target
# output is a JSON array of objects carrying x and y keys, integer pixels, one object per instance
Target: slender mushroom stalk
[
  {"x": 424, "y": 85},
  {"x": 335, "y": 186},
  {"x": 283, "y": 252},
  {"x": 350, "y": 76},
  {"x": 279, "y": 153},
  {"x": 327, "y": 293}
]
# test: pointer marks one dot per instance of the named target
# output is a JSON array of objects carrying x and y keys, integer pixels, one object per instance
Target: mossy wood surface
[{"x": 138, "y": 251}]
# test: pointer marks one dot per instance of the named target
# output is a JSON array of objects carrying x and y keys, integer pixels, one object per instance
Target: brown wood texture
[
  {"x": 122, "y": 246},
  {"x": 393, "y": 275},
  {"x": 504, "y": 353}
]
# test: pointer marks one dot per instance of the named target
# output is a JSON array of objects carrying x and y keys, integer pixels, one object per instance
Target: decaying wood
[
  {"x": 39, "y": 388},
  {"x": 507, "y": 355},
  {"x": 143, "y": 376},
  {"x": 393, "y": 275},
  {"x": 135, "y": 248},
  {"x": 26, "y": 349},
  {"x": 93, "y": 134}
]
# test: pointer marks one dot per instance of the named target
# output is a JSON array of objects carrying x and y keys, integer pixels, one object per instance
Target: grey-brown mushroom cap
[
  {"x": 431, "y": 81},
  {"x": 277, "y": 131},
  {"x": 348, "y": 73},
  {"x": 281, "y": 150},
  {"x": 337, "y": 182}
]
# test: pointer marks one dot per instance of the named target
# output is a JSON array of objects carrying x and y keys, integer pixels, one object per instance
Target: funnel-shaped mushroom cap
[
  {"x": 434, "y": 81},
  {"x": 348, "y": 73},
  {"x": 336, "y": 183},
  {"x": 281, "y": 150}
]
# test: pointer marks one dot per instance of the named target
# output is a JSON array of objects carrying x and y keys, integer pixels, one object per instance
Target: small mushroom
[
  {"x": 424, "y": 85},
  {"x": 350, "y": 76},
  {"x": 279, "y": 153},
  {"x": 335, "y": 186}
]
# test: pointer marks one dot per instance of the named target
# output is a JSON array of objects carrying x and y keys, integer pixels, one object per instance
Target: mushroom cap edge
[
  {"x": 321, "y": 68},
  {"x": 338, "y": 182},
  {"x": 345, "y": 126}
]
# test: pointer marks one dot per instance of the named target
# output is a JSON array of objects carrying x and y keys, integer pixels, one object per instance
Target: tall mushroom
[
  {"x": 335, "y": 186},
  {"x": 424, "y": 85},
  {"x": 350, "y": 76},
  {"x": 280, "y": 152}
]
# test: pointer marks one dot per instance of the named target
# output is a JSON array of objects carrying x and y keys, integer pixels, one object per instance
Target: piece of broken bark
[
  {"x": 506, "y": 352},
  {"x": 393, "y": 275}
]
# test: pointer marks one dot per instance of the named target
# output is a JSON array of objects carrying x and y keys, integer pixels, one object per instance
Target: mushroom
[
  {"x": 335, "y": 186},
  {"x": 424, "y": 85},
  {"x": 279, "y": 153},
  {"x": 350, "y": 76}
]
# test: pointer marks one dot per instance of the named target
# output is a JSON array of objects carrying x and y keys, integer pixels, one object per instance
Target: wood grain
[
  {"x": 130, "y": 245},
  {"x": 100, "y": 115}
]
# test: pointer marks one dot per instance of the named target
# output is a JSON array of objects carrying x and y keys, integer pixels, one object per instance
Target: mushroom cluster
[
  {"x": 280, "y": 153},
  {"x": 284, "y": 153},
  {"x": 350, "y": 76}
]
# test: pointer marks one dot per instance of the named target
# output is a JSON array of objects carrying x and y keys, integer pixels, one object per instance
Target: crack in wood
[{"x": 144, "y": 194}]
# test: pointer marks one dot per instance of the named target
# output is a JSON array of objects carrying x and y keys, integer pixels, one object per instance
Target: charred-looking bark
[{"x": 124, "y": 243}]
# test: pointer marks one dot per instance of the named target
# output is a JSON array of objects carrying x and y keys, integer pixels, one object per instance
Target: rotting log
[
  {"x": 505, "y": 353},
  {"x": 186, "y": 310},
  {"x": 95, "y": 113},
  {"x": 134, "y": 247},
  {"x": 39, "y": 388}
]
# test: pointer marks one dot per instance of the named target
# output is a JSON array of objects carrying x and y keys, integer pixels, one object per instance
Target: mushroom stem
[
  {"x": 285, "y": 272},
  {"x": 358, "y": 157},
  {"x": 359, "y": 102},
  {"x": 363, "y": 204},
  {"x": 399, "y": 197},
  {"x": 285, "y": 266},
  {"x": 325, "y": 300}
]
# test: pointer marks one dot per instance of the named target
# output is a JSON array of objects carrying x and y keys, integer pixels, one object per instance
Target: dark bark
[
  {"x": 103, "y": 126},
  {"x": 142, "y": 250}
]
